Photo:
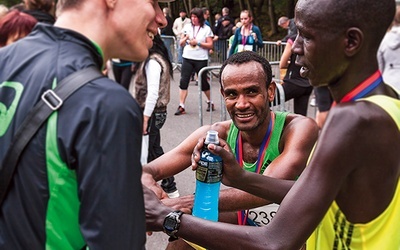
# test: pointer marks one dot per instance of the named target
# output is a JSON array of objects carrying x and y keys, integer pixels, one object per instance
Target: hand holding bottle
[{"x": 232, "y": 172}]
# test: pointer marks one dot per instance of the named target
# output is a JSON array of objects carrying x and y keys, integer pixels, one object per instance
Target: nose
[
  {"x": 160, "y": 18},
  {"x": 297, "y": 47},
  {"x": 242, "y": 102}
]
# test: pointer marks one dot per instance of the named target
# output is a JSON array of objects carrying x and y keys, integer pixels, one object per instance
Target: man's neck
[{"x": 255, "y": 136}]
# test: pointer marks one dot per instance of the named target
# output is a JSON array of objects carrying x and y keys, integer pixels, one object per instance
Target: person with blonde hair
[
  {"x": 248, "y": 37},
  {"x": 3, "y": 10}
]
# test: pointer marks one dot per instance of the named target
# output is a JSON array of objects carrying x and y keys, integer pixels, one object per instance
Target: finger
[{"x": 224, "y": 152}]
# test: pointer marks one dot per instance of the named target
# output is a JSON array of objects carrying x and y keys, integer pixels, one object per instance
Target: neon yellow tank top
[{"x": 382, "y": 233}]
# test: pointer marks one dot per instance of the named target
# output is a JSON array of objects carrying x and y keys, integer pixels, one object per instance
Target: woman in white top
[{"x": 198, "y": 39}]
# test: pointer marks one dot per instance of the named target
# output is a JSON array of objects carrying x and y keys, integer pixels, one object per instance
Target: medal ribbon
[
  {"x": 363, "y": 88},
  {"x": 244, "y": 38},
  {"x": 242, "y": 215},
  {"x": 195, "y": 34}
]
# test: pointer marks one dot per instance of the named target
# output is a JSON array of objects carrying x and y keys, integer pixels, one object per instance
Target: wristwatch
[
  {"x": 171, "y": 224},
  {"x": 198, "y": 44}
]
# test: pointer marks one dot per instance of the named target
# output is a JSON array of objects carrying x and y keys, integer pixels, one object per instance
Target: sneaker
[
  {"x": 180, "y": 111},
  {"x": 174, "y": 194},
  {"x": 313, "y": 102},
  {"x": 210, "y": 106}
]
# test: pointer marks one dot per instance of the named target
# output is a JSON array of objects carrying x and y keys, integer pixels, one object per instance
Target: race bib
[
  {"x": 262, "y": 216},
  {"x": 242, "y": 47}
]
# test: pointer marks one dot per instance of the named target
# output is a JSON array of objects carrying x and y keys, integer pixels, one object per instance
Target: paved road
[{"x": 177, "y": 128}]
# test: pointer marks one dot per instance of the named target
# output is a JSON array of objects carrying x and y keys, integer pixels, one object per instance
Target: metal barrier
[
  {"x": 272, "y": 51},
  {"x": 171, "y": 44},
  {"x": 211, "y": 71},
  {"x": 278, "y": 104}
]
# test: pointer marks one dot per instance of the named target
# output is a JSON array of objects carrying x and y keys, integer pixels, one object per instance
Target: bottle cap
[{"x": 212, "y": 137}]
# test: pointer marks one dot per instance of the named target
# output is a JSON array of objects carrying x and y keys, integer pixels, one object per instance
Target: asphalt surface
[{"x": 177, "y": 128}]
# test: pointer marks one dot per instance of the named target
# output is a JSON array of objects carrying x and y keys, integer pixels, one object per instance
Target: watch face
[{"x": 170, "y": 224}]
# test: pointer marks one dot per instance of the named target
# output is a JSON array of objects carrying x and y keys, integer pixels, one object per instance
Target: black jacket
[{"x": 78, "y": 181}]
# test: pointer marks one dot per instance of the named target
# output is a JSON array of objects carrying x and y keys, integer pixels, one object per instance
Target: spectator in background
[
  {"x": 151, "y": 88},
  {"x": 234, "y": 28},
  {"x": 296, "y": 87},
  {"x": 122, "y": 71},
  {"x": 389, "y": 53},
  {"x": 289, "y": 25},
  {"x": 248, "y": 37},
  {"x": 225, "y": 13},
  {"x": 206, "y": 13},
  {"x": 224, "y": 33},
  {"x": 3, "y": 10},
  {"x": 217, "y": 17},
  {"x": 42, "y": 10},
  {"x": 177, "y": 27},
  {"x": 167, "y": 31},
  {"x": 218, "y": 27},
  {"x": 14, "y": 26},
  {"x": 198, "y": 38}
]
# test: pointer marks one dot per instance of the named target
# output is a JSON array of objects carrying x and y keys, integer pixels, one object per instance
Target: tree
[{"x": 10, "y": 3}]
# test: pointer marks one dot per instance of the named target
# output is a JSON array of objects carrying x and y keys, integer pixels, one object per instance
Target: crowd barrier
[
  {"x": 271, "y": 51},
  {"x": 172, "y": 46}
]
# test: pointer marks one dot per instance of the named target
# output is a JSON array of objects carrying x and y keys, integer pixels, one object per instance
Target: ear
[
  {"x": 111, "y": 3},
  {"x": 271, "y": 91},
  {"x": 354, "y": 41}
]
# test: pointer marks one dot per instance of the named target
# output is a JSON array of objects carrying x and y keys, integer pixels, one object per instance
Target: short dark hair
[
  {"x": 42, "y": 5},
  {"x": 245, "y": 57},
  {"x": 200, "y": 15}
]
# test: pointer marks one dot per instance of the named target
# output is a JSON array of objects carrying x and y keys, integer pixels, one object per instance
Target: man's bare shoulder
[
  {"x": 222, "y": 128},
  {"x": 300, "y": 122}
]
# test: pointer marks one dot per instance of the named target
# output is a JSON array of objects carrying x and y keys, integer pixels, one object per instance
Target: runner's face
[
  {"x": 134, "y": 33},
  {"x": 318, "y": 50},
  {"x": 246, "y": 95}
]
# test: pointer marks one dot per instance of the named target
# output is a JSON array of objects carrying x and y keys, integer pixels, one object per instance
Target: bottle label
[{"x": 209, "y": 169}]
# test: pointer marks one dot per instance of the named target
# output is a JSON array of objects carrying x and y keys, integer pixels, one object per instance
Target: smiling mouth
[{"x": 244, "y": 115}]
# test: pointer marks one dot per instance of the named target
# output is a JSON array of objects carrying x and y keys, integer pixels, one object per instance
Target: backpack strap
[{"x": 51, "y": 100}]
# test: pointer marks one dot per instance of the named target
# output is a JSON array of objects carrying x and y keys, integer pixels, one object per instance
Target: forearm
[
  {"x": 206, "y": 45},
  {"x": 269, "y": 188},
  {"x": 232, "y": 199}
]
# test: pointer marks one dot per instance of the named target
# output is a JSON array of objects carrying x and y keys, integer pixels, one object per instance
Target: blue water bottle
[{"x": 208, "y": 181}]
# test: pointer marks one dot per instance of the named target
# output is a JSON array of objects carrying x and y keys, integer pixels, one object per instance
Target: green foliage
[
  {"x": 260, "y": 9},
  {"x": 10, "y": 3}
]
